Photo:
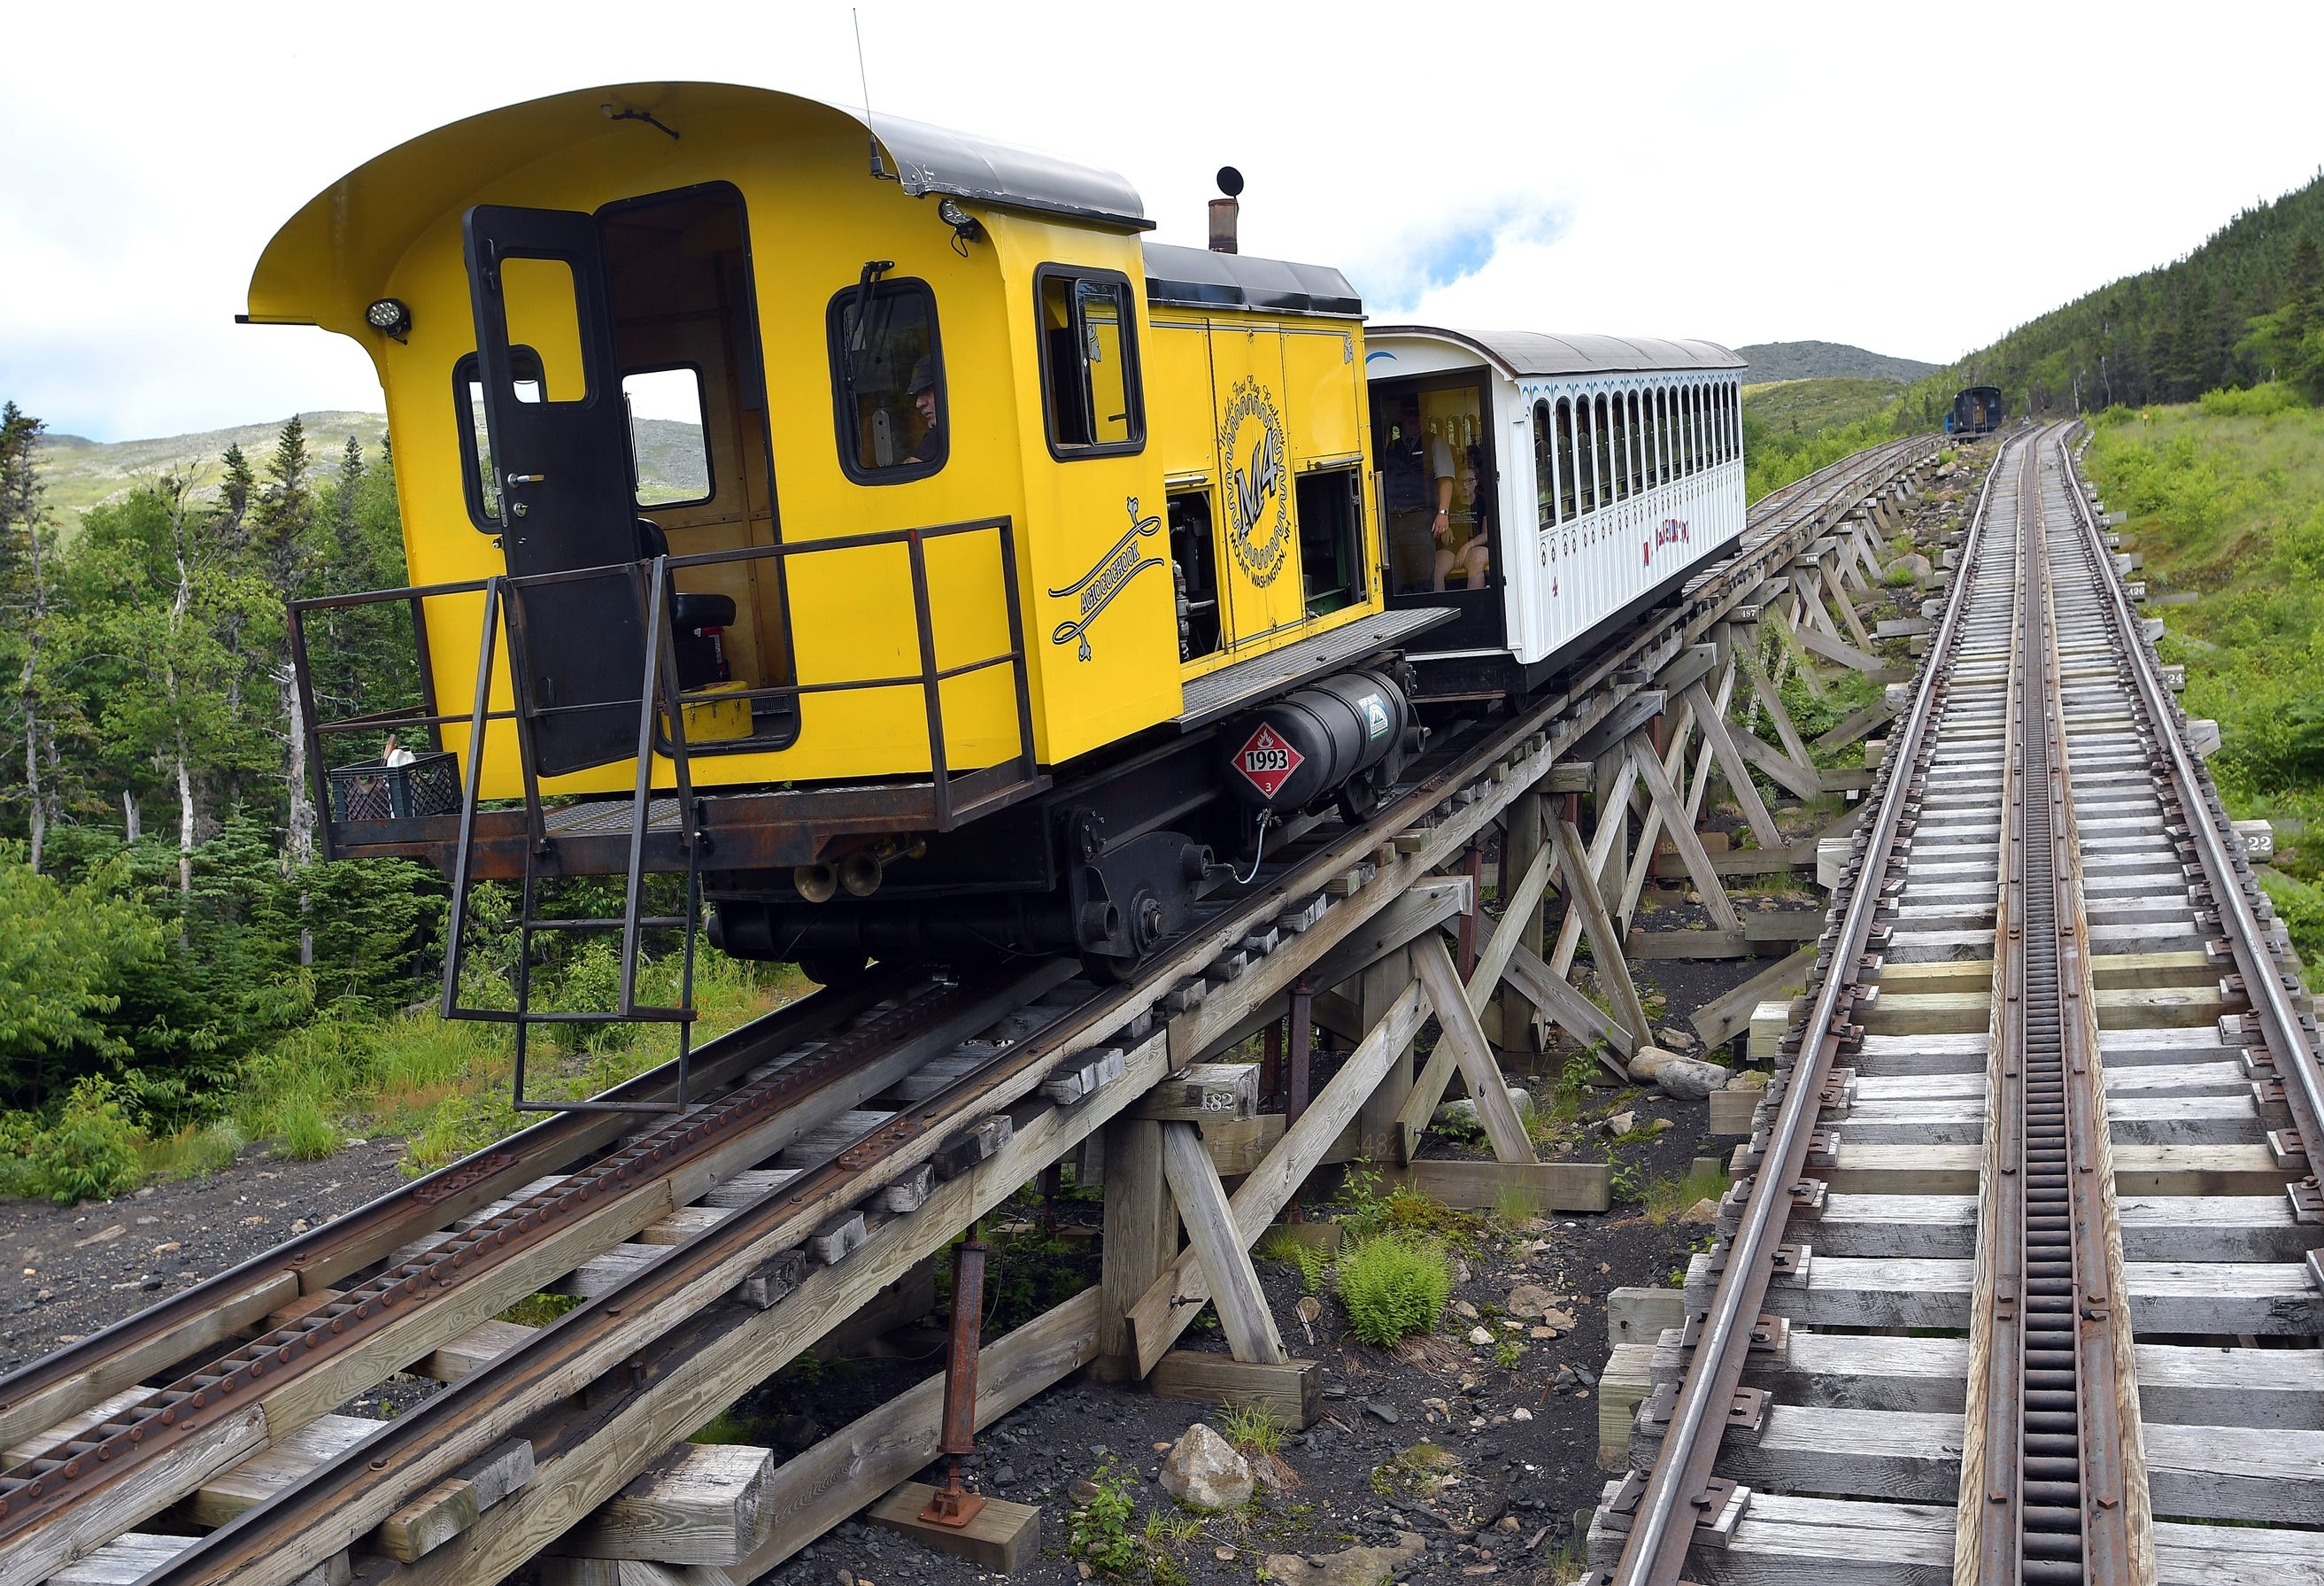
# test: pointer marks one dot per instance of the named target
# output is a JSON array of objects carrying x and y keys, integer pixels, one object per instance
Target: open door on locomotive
[{"x": 559, "y": 451}]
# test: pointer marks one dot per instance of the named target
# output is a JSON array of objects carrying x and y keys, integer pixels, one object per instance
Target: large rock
[
  {"x": 1688, "y": 1078},
  {"x": 1203, "y": 1471},
  {"x": 1462, "y": 1114},
  {"x": 1354, "y": 1566}
]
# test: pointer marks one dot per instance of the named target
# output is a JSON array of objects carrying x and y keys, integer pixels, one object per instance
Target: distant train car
[
  {"x": 1545, "y": 486},
  {"x": 1978, "y": 410}
]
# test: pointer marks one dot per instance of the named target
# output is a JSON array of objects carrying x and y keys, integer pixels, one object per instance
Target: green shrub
[
  {"x": 90, "y": 1153},
  {"x": 2300, "y": 905},
  {"x": 1098, "y": 1533},
  {"x": 303, "y": 1133},
  {"x": 1394, "y": 1286},
  {"x": 2259, "y": 402},
  {"x": 18, "y": 1130}
]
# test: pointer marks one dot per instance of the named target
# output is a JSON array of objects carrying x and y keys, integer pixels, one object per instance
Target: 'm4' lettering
[{"x": 1255, "y": 484}]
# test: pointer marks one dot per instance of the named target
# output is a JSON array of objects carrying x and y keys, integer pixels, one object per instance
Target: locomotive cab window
[
  {"x": 1090, "y": 394},
  {"x": 887, "y": 373}
]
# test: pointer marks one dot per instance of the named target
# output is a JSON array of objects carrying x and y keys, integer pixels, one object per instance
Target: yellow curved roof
[{"x": 334, "y": 256}]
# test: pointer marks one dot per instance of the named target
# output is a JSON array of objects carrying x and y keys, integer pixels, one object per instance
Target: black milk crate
[{"x": 430, "y": 784}]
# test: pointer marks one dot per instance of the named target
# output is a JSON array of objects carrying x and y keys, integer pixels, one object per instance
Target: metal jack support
[{"x": 953, "y": 1504}]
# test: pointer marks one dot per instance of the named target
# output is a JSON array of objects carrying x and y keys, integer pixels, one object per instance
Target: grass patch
[
  {"x": 302, "y": 1131},
  {"x": 1254, "y": 1429},
  {"x": 195, "y": 1150},
  {"x": 539, "y": 1310},
  {"x": 1394, "y": 1286},
  {"x": 1314, "y": 1263},
  {"x": 1404, "y": 1213},
  {"x": 1667, "y": 1198}
]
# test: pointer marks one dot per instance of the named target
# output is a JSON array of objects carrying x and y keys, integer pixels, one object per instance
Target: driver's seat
[{"x": 696, "y": 621}]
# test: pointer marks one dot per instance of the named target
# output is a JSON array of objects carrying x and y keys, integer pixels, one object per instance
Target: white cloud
[{"x": 1910, "y": 181}]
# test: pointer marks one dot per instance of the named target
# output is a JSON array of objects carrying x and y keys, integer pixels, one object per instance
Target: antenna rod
[{"x": 865, "y": 77}]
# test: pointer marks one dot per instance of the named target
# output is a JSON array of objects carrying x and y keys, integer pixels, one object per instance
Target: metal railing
[{"x": 928, "y": 678}]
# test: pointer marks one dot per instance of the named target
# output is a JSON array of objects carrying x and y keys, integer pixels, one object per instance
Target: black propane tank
[{"x": 1348, "y": 734}]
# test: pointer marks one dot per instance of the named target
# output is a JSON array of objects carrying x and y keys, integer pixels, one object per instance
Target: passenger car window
[
  {"x": 887, "y": 384},
  {"x": 1544, "y": 465},
  {"x": 1095, "y": 403},
  {"x": 667, "y": 443},
  {"x": 1567, "y": 472}
]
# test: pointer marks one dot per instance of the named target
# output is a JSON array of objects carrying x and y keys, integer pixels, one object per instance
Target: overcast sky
[{"x": 1912, "y": 179}]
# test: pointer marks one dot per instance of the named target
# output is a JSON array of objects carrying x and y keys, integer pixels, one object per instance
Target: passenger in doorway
[
  {"x": 395, "y": 753},
  {"x": 929, "y": 447},
  {"x": 1419, "y": 470},
  {"x": 1460, "y": 539}
]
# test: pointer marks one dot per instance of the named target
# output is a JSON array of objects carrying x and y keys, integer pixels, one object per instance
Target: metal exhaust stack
[{"x": 1224, "y": 211}]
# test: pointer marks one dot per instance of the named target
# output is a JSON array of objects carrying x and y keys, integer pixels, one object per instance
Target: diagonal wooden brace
[
  {"x": 1465, "y": 1037},
  {"x": 1677, "y": 821},
  {"x": 1738, "y": 774},
  {"x": 1163, "y": 1311},
  {"x": 1581, "y": 890},
  {"x": 1220, "y": 1246}
]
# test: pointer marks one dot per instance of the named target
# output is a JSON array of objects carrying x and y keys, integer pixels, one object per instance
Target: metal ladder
[{"x": 657, "y": 688}]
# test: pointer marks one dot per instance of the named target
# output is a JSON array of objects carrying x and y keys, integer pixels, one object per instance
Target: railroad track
[
  {"x": 2019, "y": 1279},
  {"x": 862, "y": 1128}
]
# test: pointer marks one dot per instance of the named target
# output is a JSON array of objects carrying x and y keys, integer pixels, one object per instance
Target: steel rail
[
  {"x": 1655, "y": 1553},
  {"x": 2288, "y": 1043},
  {"x": 349, "y": 1243},
  {"x": 58, "y": 1477}
]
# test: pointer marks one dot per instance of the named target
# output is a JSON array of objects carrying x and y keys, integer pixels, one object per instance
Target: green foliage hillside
[
  {"x": 1791, "y": 428},
  {"x": 179, "y": 972},
  {"x": 2169, "y": 334},
  {"x": 2225, "y": 503}
]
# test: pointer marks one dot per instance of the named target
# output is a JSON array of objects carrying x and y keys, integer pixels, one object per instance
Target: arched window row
[{"x": 1591, "y": 452}]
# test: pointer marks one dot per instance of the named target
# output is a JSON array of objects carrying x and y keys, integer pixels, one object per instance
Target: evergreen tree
[
  {"x": 227, "y": 524},
  {"x": 2304, "y": 295},
  {"x": 343, "y": 514},
  {"x": 283, "y": 519}
]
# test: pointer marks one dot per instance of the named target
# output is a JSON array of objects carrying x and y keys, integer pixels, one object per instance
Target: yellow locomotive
[{"x": 855, "y": 516}]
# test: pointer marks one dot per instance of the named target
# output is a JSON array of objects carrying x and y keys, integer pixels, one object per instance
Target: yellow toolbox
[{"x": 714, "y": 720}]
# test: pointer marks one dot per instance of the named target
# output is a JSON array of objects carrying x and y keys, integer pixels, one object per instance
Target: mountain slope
[
  {"x": 2165, "y": 335},
  {"x": 81, "y": 474},
  {"x": 1826, "y": 360}
]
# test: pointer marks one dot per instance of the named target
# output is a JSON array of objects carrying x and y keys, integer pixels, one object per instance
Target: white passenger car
[{"x": 1547, "y": 487}]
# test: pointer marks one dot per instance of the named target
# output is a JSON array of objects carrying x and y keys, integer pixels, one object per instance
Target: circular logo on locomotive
[{"x": 1259, "y": 507}]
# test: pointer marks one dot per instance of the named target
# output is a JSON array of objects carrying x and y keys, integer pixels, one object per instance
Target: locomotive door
[
  {"x": 559, "y": 435},
  {"x": 1263, "y": 581}
]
